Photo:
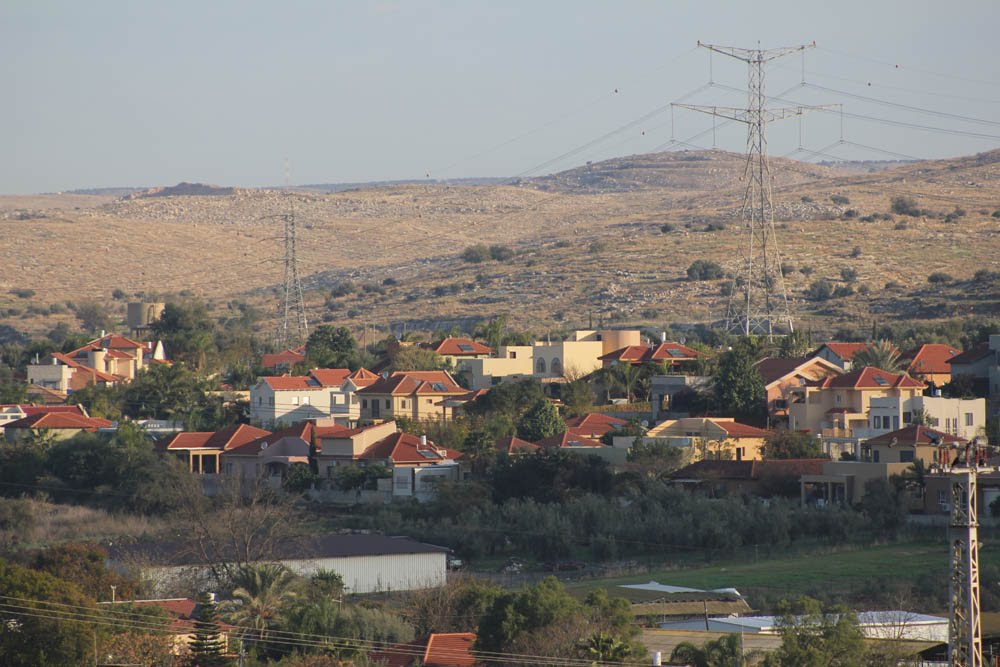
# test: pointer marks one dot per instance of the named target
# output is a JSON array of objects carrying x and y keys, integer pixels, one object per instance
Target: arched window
[
  {"x": 540, "y": 366},
  {"x": 556, "y": 366}
]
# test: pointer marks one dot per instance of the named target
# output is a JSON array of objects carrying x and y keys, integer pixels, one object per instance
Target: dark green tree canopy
[
  {"x": 542, "y": 420},
  {"x": 737, "y": 386},
  {"x": 786, "y": 444}
]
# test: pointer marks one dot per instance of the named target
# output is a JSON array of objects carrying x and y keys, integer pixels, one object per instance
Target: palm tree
[
  {"x": 603, "y": 648},
  {"x": 878, "y": 354},
  {"x": 725, "y": 651},
  {"x": 261, "y": 595}
]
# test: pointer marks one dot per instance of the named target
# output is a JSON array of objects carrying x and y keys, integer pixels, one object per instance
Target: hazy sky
[{"x": 133, "y": 93}]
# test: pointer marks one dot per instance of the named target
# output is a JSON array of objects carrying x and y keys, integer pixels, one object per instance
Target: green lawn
[{"x": 851, "y": 572}]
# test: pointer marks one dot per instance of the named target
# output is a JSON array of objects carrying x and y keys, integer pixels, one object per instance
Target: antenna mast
[
  {"x": 292, "y": 327},
  {"x": 758, "y": 302}
]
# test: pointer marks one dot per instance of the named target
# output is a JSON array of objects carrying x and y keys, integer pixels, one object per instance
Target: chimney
[
  {"x": 423, "y": 441},
  {"x": 103, "y": 334},
  {"x": 663, "y": 336}
]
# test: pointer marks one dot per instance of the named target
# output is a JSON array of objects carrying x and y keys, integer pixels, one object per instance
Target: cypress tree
[{"x": 207, "y": 646}]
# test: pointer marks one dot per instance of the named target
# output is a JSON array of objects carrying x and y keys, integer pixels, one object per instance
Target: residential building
[
  {"x": 514, "y": 447},
  {"x": 965, "y": 418},
  {"x": 982, "y": 365},
  {"x": 836, "y": 405},
  {"x": 784, "y": 376},
  {"x": 54, "y": 425},
  {"x": 913, "y": 443},
  {"x": 106, "y": 361},
  {"x": 929, "y": 363},
  {"x": 181, "y": 614},
  {"x": 13, "y": 411},
  {"x": 456, "y": 350},
  {"x": 284, "y": 360},
  {"x": 839, "y": 354},
  {"x": 270, "y": 456},
  {"x": 843, "y": 482},
  {"x": 417, "y": 395},
  {"x": 324, "y": 393},
  {"x": 548, "y": 361},
  {"x": 595, "y": 424},
  {"x": 712, "y": 438},
  {"x": 201, "y": 450},
  {"x": 449, "y": 649},
  {"x": 663, "y": 388},
  {"x": 673, "y": 356}
]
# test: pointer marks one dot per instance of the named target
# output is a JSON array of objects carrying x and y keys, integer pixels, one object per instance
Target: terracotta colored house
[
  {"x": 930, "y": 363},
  {"x": 836, "y": 405},
  {"x": 595, "y": 424},
  {"x": 417, "y": 395},
  {"x": 182, "y": 613},
  {"x": 201, "y": 449},
  {"x": 324, "y": 393},
  {"x": 514, "y": 446},
  {"x": 911, "y": 444},
  {"x": 455, "y": 350},
  {"x": 13, "y": 411},
  {"x": 784, "y": 376},
  {"x": 58, "y": 425},
  {"x": 104, "y": 361},
  {"x": 283, "y": 361}
]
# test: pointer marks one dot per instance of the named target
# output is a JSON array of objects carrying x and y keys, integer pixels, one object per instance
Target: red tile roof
[
  {"x": 916, "y": 435},
  {"x": 515, "y": 445},
  {"x": 774, "y": 369},
  {"x": 453, "y": 649},
  {"x": 180, "y": 610},
  {"x": 461, "y": 347},
  {"x": 845, "y": 351},
  {"x": 60, "y": 420},
  {"x": 363, "y": 377},
  {"x": 223, "y": 440},
  {"x": 738, "y": 430},
  {"x": 331, "y": 377},
  {"x": 406, "y": 448},
  {"x": 931, "y": 358},
  {"x": 640, "y": 354},
  {"x": 290, "y": 382},
  {"x": 870, "y": 378},
  {"x": 303, "y": 431},
  {"x": 287, "y": 357},
  {"x": 29, "y": 410},
  {"x": 404, "y": 383},
  {"x": 570, "y": 438},
  {"x": 596, "y": 423}
]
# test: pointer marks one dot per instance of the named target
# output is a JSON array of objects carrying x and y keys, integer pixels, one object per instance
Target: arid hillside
[{"x": 609, "y": 241}]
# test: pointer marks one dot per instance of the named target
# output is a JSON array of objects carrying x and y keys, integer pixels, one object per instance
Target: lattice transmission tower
[
  {"x": 293, "y": 329},
  {"x": 758, "y": 302}
]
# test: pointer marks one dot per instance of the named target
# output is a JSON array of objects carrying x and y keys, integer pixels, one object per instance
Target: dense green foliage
[
  {"x": 540, "y": 421},
  {"x": 737, "y": 386},
  {"x": 786, "y": 444}
]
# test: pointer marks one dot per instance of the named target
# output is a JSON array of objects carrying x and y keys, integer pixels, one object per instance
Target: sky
[{"x": 114, "y": 93}]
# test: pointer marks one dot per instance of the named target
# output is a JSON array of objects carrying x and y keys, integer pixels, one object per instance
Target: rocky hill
[{"x": 610, "y": 240}]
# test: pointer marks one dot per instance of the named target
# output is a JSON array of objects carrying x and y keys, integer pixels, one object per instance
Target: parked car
[
  {"x": 455, "y": 563},
  {"x": 512, "y": 566}
]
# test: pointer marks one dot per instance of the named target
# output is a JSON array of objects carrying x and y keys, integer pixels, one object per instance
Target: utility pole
[
  {"x": 292, "y": 327},
  {"x": 965, "y": 635},
  {"x": 758, "y": 302}
]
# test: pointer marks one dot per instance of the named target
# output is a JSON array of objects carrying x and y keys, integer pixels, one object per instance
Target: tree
[
  {"x": 329, "y": 346},
  {"x": 207, "y": 647},
  {"x": 298, "y": 478},
  {"x": 93, "y": 316},
  {"x": 12, "y": 389},
  {"x": 795, "y": 344},
  {"x": 737, "y": 386},
  {"x": 654, "y": 459},
  {"x": 454, "y": 607},
  {"x": 40, "y": 635},
  {"x": 578, "y": 398},
  {"x": 542, "y": 420},
  {"x": 494, "y": 331},
  {"x": 722, "y": 652},
  {"x": 813, "y": 636},
  {"x": 262, "y": 593},
  {"x": 414, "y": 358},
  {"x": 479, "y": 449},
  {"x": 702, "y": 269},
  {"x": 884, "y": 505},
  {"x": 173, "y": 392},
  {"x": 187, "y": 332},
  {"x": 819, "y": 290},
  {"x": 786, "y": 444},
  {"x": 509, "y": 400},
  {"x": 881, "y": 354},
  {"x": 532, "y": 610}
]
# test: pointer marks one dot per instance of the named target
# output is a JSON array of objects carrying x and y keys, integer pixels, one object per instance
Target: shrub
[
  {"x": 996, "y": 213},
  {"x": 714, "y": 227},
  {"x": 840, "y": 200},
  {"x": 501, "y": 253},
  {"x": 806, "y": 199},
  {"x": 476, "y": 253},
  {"x": 787, "y": 268},
  {"x": 666, "y": 228},
  {"x": 563, "y": 243},
  {"x": 903, "y": 205},
  {"x": 848, "y": 275},
  {"x": 118, "y": 294},
  {"x": 343, "y": 289},
  {"x": 597, "y": 246},
  {"x": 806, "y": 270},
  {"x": 902, "y": 224},
  {"x": 390, "y": 281},
  {"x": 353, "y": 312},
  {"x": 863, "y": 289},
  {"x": 851, "y": 213},
  {"x": 939, "y": 278},
  {"x": 819, "y": 290},
  {"x": 702, "y": 269},
  {"x": 856, "y": 252},
  {"x": 23, "y": 293},
  {"x": 893, "y": 285},
  {"x": 843, "y": 290}
]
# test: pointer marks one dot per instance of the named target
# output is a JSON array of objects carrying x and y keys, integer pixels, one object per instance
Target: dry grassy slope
[{"x": 588, "y": 240}]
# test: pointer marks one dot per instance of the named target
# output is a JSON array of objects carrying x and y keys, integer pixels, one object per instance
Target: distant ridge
[{"x": 184, "y": 190}]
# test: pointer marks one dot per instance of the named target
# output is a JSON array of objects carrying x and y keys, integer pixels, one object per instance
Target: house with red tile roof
[
  {"x": 201, "y": 450},
  {"x": 595, "y": 424},
  {"x": 783, "y": 378},
  {"x": 839, "y": 354},
  {"x": 270, "y": 457},
  {"x": 56, "y": 425},
  {"x": 450, "y": 649},
  {"x": 417, "y": 395},
  {"x": 930, "y": 363},
  {"x": 836, "y": 405},
  {"x": 712, "y": 438},
  {"x": 675, "y": 356},
  {"x": 910, "y": 444},
  {"x": 981, "y": 365},
  {"x": 13, "y": 411},
  {"x": 455, "y": 350},
  {"x": 182, "y": 614},
  {"x": 750, "y": 478},
  {"x": 514, "y": 446},
  {"x": 106, "y": 361},
  {"x": 323, "y": 393},
  {"x": 284, "y": 360}
]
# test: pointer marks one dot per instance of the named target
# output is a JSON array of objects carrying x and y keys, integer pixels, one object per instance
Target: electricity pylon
[
  {"x": 292, "y": 328},
  {"x": 758, "y": 302}
]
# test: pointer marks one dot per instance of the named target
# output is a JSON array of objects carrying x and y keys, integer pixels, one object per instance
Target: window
[
  {"x": 540, "y": 366},
  {"x": 556, "y": 366},
  {"x": 968, "y": 419},
  {"x": 270, "y": 401},
  {"x": 895, "y": 422},
  {"x": 907, "y": 417},
  {"x": 388, "y": 404},
  {"x": 260, "y": 400},
  {"x": 305, "y": 400},
  {"x": 839, "y": 398},
  {"x": 402, "y": 404},
  {"x": 295, "y": 400},
  {"x": 364, "y": 403},
  {"x": 512, "y": 354},
  {"x": 906, "y": 456},
  {"x": 874, "y": 456},
  {"x": 876, "y": 422}
]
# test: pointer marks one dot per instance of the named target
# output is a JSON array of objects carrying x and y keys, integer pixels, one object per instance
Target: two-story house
[
  {"x": 457, "y": 350},
  {"x": 912, "y": 443},
  {"x": 324, "y": 393},
  {"x": 107, "y": 360},
  {"x": 201, "y": 450},
  {"x": 840, "y": 354},
  {"x": 712, "y": 438},
  {"x": 836, "y": 405},
  {"x": 929, "y": 363},
  {"x": 783, "y": 377},
  {"x": 417, "y": 395},
  {"x": 964, "y": 418},
  {"x": 674, "y": 356},
  {"x": 981, "y": 364}
]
